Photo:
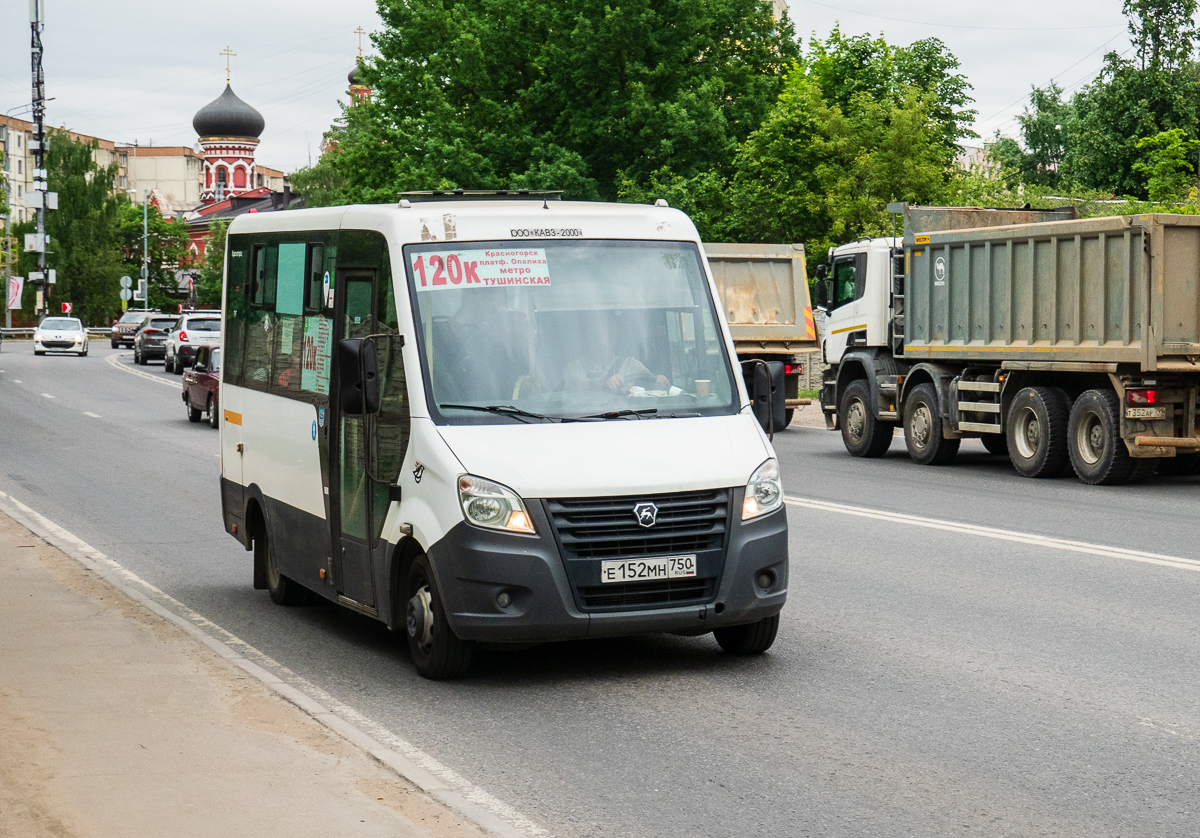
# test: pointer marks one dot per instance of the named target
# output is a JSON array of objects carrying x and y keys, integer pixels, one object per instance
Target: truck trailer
[
  {"x": 763, "y": 289},
  {"x": 1062, "y": 343}
]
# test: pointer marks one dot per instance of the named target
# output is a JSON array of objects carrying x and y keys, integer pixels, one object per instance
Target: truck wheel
[
  {"x": 862, "y": 432},
  {"x": 996, "y": 444},
  {"x": 923, "y": 429},
  {"x": 1036, "y": 432},
  {"x": 436, "y": 650},
  {"x": 750, "y": 639},
  {"x": 787, "y": 416},
  {"x": 1098, "y": 454}
]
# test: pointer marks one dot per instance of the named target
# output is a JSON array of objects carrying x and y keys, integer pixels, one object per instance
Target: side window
[
  {"x": 288, "y": 322},
  {"x": 315, "y": 271},
  {"x": 235, "y": 310},
  {"x": 262, "y": 324},
  {"x": 849, "y": 280}
]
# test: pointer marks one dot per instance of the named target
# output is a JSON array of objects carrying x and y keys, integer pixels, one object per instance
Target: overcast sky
[{"x": 132, "y": 70}]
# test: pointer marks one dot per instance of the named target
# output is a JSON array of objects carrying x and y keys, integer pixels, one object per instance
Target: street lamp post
[{"x": 145, "y": 273}]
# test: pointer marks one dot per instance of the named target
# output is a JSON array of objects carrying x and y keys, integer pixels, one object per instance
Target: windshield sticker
[
  {"x": 315, "y": 355},
  {"x": 446, "y": 270}
]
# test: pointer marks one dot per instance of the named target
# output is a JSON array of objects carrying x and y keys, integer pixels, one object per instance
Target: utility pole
[
  {"x": 37, "y": 13},
  {"x": 146, "y": 250}
]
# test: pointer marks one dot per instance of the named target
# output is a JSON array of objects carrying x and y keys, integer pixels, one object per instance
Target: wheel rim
[
  {"x": 1027, "y": 433},
  {"x": 920, "y": 424},
  {"x": 1089, "y": 438},
  {"x": 419, "y": 618},
  {"x": 856, "y": 420},
  {"x": 273, "y": 577}
]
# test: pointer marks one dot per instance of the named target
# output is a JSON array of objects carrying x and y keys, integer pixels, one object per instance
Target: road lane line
[
  {"x": 93, "y": 415},
  {"x": 47, "y": 395},
  {"x": 1033, "y": 539},
  {"x": 114, "y": 362},
  {"x": 18, "y": 381},
  {"x": 474, "y": 804}
]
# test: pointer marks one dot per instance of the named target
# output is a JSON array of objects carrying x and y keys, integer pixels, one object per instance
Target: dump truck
[
  {"x": 1063, "y": 343},
  {"x": 764, "y": 290}
]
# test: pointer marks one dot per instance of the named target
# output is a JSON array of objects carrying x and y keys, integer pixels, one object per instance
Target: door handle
[{"x": 240, "y": 448}]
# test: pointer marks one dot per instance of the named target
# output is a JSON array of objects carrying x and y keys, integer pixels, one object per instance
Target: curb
[{"x": 470, "y": 802}]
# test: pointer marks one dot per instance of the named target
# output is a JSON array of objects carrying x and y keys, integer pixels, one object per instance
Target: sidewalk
[{"x": 113, "y": 722}]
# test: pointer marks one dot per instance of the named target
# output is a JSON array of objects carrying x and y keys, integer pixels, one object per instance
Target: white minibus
[{"x": 500, "y": 418}]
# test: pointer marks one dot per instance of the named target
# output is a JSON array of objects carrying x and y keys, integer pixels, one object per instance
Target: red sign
[{"x": 66, "y": 308}]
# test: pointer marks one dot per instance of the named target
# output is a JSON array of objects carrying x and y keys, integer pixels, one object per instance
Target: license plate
[
  {"x": 1146, "y": 412},
  {"x": 647, "y": 570}
]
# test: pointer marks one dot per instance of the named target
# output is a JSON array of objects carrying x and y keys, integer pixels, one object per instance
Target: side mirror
[
  {"x": 767, "y": 394},
  {"x": 358, "y": 376},
  {"x": 822, "y": 290}
]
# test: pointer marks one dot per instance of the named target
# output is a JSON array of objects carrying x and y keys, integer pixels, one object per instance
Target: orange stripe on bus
[{"x": 233, "y": 418}]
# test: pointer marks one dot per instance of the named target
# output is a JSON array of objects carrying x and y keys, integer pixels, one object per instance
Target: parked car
[
  {"x": 149, "y": 342},
  {"x": 191, "y": 331},
  {"x": 201, "y": 386},
  {"x": 124, "y": 329},
  {"x": 60, "y": 334}
]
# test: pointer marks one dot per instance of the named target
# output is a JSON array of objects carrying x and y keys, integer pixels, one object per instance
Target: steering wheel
[{"x": 646, "y": 380}]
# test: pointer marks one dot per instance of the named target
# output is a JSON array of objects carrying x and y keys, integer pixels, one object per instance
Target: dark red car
[{"x": 201, "y": 386}]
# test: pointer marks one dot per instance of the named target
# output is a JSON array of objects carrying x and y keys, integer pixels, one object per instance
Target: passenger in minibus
[{"x": 605, "y": 369}]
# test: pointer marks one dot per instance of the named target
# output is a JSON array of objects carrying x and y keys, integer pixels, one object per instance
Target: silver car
[
  {"x": 60, "y": 334},
  {"x": 191, "y": 331}
]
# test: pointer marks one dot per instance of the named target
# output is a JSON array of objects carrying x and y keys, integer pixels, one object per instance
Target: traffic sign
[
  {"x": 66, "y": 308},
  {"x": 126, "y": 282},
  {"x": 126, "y": 294}
]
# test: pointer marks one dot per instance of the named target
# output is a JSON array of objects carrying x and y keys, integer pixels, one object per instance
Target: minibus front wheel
[{"x": 436, "y": 650}]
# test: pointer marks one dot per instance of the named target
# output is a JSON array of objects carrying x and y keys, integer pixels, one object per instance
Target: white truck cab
[{"x": 860, "y": 277}]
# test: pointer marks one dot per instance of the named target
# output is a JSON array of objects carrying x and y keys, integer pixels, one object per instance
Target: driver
[{"x": 605, "y": 369}]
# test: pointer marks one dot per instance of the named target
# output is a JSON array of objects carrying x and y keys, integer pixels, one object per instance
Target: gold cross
[
  {"x": 227, "y": 53},
  {"x": 360, "y": 32}
]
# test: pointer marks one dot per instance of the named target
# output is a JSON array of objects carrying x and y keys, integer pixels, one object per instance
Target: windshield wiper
[
  {"x": 618, "y": 414},
  {"x": 502, "y": 409}
]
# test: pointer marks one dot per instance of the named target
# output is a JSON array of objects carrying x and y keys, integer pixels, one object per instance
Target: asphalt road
[{"x": 929, "y": 679}]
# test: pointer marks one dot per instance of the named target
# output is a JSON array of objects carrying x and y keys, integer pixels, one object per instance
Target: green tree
[
  {"x": 1169, "y": 165},
  {"x": 1162, "y": 31},
  {"x": 167, "y": 247},
  {"x": 83, "y": 247},
  {"x": 1043, "y": 128},
  {"x": 587, "y": 96},
  {"x": 208, "y": 287}
]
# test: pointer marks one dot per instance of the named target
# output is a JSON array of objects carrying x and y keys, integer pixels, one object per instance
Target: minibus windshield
[{"x": 567, "y": 331}]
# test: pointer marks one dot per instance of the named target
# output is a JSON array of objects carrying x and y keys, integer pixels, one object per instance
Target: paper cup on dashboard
[{"x": 702, "y": 385}]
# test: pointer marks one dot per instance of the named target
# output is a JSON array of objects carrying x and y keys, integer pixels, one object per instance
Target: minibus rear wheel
[
  {"x": 283, "y": 590},
  {"x": 749, "y": 639},
  {"x": 436, "y": 650}
]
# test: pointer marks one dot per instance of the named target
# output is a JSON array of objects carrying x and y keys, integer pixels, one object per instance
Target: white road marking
[
  {"x": 440, "y": 782},
  {"x": 18, "y": 381},
  {"x": 115, "y": 362},
  {"x": 47, "y": 395},
  {"x": 1002, "y": 535},
  {"x": 93, "y": 415}
]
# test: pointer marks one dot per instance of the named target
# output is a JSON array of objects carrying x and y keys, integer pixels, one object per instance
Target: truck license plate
[
  {"x": 1146, "y": 412},
  {"x": 646, "y": 570}
]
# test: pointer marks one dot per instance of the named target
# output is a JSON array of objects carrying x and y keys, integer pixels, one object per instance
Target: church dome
[
  {"x": 228, "y": 116},
  {"x": 354, "y": 76}
]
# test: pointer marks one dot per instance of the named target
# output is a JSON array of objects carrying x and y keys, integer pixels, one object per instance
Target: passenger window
[
  {"x": 288, "y": 343},
  {"x": 316, "y": 278},
  {"x": 235, "y": 311},
  {"x": 263, "y": 281}
]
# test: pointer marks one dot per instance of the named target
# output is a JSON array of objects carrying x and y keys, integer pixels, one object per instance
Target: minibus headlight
[
  {"x": 490, "y": 505},
  {"x": 764, "y": 492}
]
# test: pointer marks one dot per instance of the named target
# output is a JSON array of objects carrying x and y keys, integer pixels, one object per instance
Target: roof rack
[{"x": 482, "y": 195}]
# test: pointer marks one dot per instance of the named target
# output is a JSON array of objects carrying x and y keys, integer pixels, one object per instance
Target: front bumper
[
  {"x": 474, "y": 565},
  {"x": 59, "y": 346}
]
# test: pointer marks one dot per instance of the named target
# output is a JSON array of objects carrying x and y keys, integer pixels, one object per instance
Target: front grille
[
  {"x": 669, "y": 592},
  {"x": 687, "y": 522},
  {"x": 60, "y": 344}
]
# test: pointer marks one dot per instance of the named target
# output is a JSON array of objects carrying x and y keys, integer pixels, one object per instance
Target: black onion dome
[
  {"x": 228, "y": 116},
  {"x": 354, "y": 76}
]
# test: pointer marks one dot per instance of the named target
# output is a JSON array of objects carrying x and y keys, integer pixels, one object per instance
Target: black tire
[
  {"x": 137, "y": 357},
  {"x": 39, "y": 352},
  {"x": 750, "y": 639},
  {"x": 437, "y": 652},
  {"x": 996, "y": 444},
  {"x": 193, "y": 414},
  {"x": 283, "y": 590},
  {"x": 923, "y": 436},
  {"x": 178, "y": 370},
  {"x": 214, "y": 418},
  {"x": 862, "y": 432},
  {"x": 1036, "y": 432},
  {"x": 83, "y": 354},
  {"x": 787, "y": 416},
  {"x": 115, "y": 344},
  {"x": 1098, "y": 454}
]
